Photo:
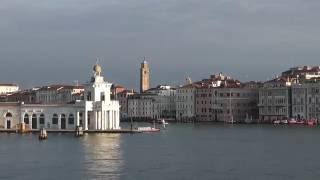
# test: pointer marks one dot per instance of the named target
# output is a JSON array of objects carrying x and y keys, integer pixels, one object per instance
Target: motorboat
[
  {"x": 300, "y": 122},
  {"x": 276, "y": 122},
  {"x": 292, "y": 121},
  {"x": 148, "y": 129},
  {"x": 311, "y": 122}
]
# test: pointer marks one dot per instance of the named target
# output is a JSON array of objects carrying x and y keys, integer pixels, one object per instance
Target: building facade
[
  {"x": 234, "y": 104},
  {"x": 292, "y": 95},
  {"x": 123, "y": 97},
  {"x": 59, "y": 94},
  {"x": 185, "y": 103},
  {"x": 275, "y": 100},
  {"x": 8, "y": 88},
  {"x": 306, "y": 101},
  {"x": 154, "y": 103},
  {"x": 218, "y": 98},
  {"x": 96, "y": 112}
]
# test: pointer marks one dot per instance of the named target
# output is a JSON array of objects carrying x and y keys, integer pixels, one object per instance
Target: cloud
[{"x": 250, "y": 39}]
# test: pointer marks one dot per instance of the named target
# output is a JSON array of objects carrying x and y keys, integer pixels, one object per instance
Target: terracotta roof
[{"x": 127, "y": 91}]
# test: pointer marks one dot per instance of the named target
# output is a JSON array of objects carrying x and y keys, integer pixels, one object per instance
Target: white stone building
[
  {"x": 95, "y": 112},
  {"x": 8, "y": 88}
]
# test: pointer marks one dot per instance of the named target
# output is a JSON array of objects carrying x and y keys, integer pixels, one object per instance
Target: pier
[{"x": 120, "y": 131}]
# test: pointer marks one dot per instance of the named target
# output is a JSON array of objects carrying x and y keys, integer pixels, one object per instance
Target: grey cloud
[{"x": 57, "y": 41}]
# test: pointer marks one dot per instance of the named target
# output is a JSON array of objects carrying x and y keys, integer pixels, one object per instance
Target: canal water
[{"x": 182, "y": 151}]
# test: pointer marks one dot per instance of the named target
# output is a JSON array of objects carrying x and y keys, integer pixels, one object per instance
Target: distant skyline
[{"x": 48, "y": 42}]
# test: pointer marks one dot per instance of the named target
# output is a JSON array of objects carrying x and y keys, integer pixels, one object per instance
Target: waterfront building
[
  {"x": 302, "y": 73},
  {"x": 218, "y": 98},
  {"x": 8, "y": 88},
  {"x": 123, "y": 97},
  {"x": 164, "y": 102},
  {"x": 144, "y": 76},
  {"x": 234, "y": 104},
  {"x": 275, "y": 100},
  {"x": 203, "y": 103},
  {"x": 221, "y": 98},
  {"x": 141, "y": 106},
  {"x": 154, "y": 103},
  {"x": 26, "y": 96},
  {"x": 306, "y": 100},
  {"x": 290, "y": 95},
  {"x": 96, "y": 112},
  {"x": 115, "y": 90},
  {"x": 185, "y": 102},
  {"x": 299, "y": 101},
  {"x": 59, "y": 94}
]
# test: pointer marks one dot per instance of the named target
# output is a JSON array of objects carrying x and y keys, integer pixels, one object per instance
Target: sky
[{"x": 49, "y": 42}]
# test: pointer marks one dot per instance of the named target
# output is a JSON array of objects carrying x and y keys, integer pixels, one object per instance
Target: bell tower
[{"x": 144, "y": 76}]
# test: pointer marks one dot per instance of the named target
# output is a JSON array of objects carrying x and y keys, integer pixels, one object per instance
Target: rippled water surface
[{"x": 182, "y": 151}]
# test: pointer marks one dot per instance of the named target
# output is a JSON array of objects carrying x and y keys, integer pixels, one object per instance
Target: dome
[{"x": 97, "y": 68}]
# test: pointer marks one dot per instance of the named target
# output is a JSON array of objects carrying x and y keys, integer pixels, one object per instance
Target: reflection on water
[
  {"x": 103, "y": 156},
  {"x": 181, "y": 151}
]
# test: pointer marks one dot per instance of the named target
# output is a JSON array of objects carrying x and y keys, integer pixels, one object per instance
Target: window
[
  {"x": 8, "y": 115},
  {"x": 34, "y": 117},
  {"x": 102, "y": 96},
  {"x": 41, "y": 119},
  {"x": 63, "y": 118},
  {"x": 26, "y": 119},
  {"x": 89, "y": 96},
  {"x": 55, "y": 119},
  {"x": 71, "y": 119}
]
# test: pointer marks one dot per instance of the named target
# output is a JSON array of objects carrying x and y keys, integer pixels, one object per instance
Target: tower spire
[{"x": 144, "y": 76}]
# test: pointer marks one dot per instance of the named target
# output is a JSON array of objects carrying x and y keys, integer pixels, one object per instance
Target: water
[{"x": 182, "y": 151}]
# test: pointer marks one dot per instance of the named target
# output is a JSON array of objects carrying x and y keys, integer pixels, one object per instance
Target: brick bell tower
[{"x": 144, "y": 76}]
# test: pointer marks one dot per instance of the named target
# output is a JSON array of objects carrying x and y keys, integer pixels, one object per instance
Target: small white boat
[
  {"x": 147, "y": 129},
  {"x": 276, "y": 122},
  {"x": 292, "y": 121},
  {"x": 284, "y": 121}
]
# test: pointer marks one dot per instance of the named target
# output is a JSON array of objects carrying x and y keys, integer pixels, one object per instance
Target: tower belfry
[{"x": 144, "y": 76}]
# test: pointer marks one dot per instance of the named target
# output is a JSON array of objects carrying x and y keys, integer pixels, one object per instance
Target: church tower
[
  {"x": 144, "y": 76},
  {"x": 100, "y": 113}
]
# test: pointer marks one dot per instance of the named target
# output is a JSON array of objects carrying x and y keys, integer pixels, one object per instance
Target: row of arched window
[{"x": 55, "y": 118}]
